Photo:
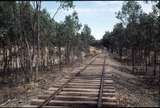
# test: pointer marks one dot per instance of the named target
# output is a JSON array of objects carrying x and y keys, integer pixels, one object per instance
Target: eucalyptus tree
[
  {"x": 129, "y": 15},
  {"x": 79, "y": 47},
  {"x": 66, "y": 5},
  {"x": 24, "y": 31},
  {"x": 8, "y": 15},
  {"x": 46, "y": 34},
  {"x": 25, "y": 28},
  {"x": 118, "y": 32},
  {"x": 86, "y": 34},
  {"x": 72, "y": 26},
  {"x": 18, "y": 31},
  {"x": 63, "y": 5},
  {"x": 59, "y": 41},
  {"x": 105, "y": 40},
  {"x": 116, "y": 39},
  {"x": 75, "y": 38},
  {"x": 138, "y": 32},
  {"x": 29, "y": 34}
]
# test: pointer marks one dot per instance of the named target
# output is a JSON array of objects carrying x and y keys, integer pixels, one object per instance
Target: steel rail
[
  {"x": 99, "y": 103},
  {"x": 52, "y": 96}
]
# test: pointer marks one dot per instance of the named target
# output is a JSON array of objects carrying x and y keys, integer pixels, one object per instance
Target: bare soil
[
  {"x": 130, "y": 90},
  {"x": 21, "y": 95}
]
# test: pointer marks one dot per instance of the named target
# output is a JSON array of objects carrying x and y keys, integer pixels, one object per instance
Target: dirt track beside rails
[{"x": 129, "y": 90}]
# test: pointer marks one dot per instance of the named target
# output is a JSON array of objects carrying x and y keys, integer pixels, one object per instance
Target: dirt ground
[
  {"x": 22, "y": 95},
  {"x": 130, "y": 91}
]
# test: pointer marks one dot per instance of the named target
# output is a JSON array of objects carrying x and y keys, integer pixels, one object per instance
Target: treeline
[
  {"x": 137, "y": 38},
  {"x": 32, "y": 41}
]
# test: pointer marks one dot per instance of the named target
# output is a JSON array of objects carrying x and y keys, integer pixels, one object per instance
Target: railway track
[{"x": 82, "y": 90}]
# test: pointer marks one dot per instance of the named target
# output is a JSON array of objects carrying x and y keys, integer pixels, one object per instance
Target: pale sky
[{"x": 99, "y": 15}]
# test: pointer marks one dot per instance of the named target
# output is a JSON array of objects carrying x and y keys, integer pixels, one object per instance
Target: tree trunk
[
  {"x": 155, "y": 57},
  {"x": 67, "y": 54},
  {"x": 38, "y": 6},
  {"x": 29, "y": 62},
  {"x": 146, "y": 57},
  {"x": 60, "y": 66},
  {"x": 133, "y": 63},
  {"x": 120, "y": 53}
]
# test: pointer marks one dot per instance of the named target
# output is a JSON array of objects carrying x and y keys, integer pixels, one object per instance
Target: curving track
[{"x": 90, "y": 87}]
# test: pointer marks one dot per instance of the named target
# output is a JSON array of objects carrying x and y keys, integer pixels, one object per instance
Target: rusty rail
[
  {"x": 99, "y": 103},
  {"x": 52, "y": 96},
  {"x": 81, "y": 90}
]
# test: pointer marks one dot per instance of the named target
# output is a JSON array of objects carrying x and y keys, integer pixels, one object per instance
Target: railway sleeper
[
  {"x": 85, "y": 84},
  {"x": 80, "y": 98},
  {"x": 73, "y": 98},
  {"x": 89, "y": 87},
  {"x": 73, "y": 93},
  {"x": 82, "y": 89},
  {"x": 74, "y": 104},
  {"x": 36, "y": 106},
  {"x": 63, "y": 103}
]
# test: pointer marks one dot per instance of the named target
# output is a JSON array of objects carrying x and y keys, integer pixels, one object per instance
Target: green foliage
[
  {"x": 30, "y": 37},
  {"x": 17, "y": 22},
  {"x": 86, "y": 36},
  {"x": 130, "y": 12},
  {"x": 140, "y": 29},
  {"x": 7, "y": 20},
  {"x": 66, "y": 4}
]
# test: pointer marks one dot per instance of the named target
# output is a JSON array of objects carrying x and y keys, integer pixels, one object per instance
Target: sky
[{"x": 98, "y": 15}]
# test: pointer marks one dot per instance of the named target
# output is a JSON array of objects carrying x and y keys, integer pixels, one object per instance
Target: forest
[
  {"x": 32, "y": 41},
  {"x": 136, "y": 39},
  {"x": 33, "y": 45}
]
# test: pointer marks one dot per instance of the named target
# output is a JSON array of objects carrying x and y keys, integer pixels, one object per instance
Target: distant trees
[
  {"x": 87, "y": 38},
  {"x": 32, "y": 41},
  {"x": 137, "y": 36}
]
